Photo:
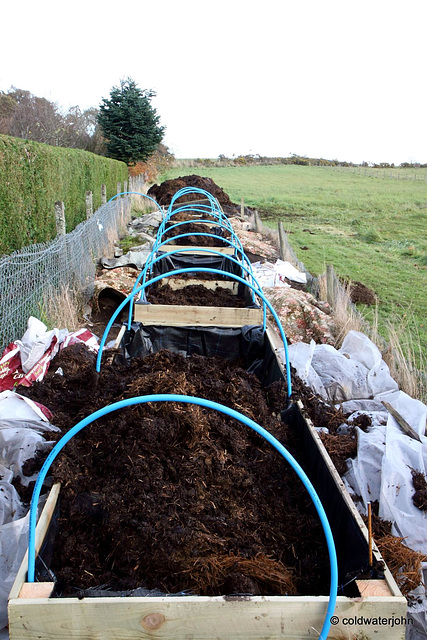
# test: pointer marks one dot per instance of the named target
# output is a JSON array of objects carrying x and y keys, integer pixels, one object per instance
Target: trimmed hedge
[{"x": 34, "y": 176}]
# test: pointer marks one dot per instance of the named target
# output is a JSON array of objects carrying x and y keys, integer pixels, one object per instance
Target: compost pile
[
  {"x": 195, "y": 295},
  {"x": 164, "y": 192},
  {"x": 173, "y": 496}
]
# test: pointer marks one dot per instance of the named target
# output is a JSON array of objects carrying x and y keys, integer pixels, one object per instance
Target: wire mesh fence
[{"x": 29, "y": 276}]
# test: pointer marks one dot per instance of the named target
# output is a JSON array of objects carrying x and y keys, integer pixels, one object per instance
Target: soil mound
[
  {"x": 359, "y": 292},
  {"x": 197, "y": 240},
  {"x": 164, "y": 192},
  {"x": 195, "y": 295}
]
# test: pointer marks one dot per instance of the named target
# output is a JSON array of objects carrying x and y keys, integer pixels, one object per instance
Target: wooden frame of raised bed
[
  {"x": 187, "y": 315},
  {"x": 227, "y": 251},
  {"x": 182, "y": 315},
  {"x": 378, "y": 612}
]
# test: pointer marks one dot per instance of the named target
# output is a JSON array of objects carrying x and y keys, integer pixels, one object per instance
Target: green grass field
[{"x": 371, "y": 228}]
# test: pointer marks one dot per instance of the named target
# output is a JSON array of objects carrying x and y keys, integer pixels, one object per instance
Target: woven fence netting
[{"x": 30, "y": 275}]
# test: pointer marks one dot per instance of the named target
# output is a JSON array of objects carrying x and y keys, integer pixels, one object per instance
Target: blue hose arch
[
  {"x": 157, "y": 246},
  {"x": 199, "y": 209},
  {"x": 188, "y": 190},
  {"x": 222, "y": 409},
  {"x": 196, "y": 270},
  {"x": 213, "y": 223},
  {"x": 215, "y": 215},
  {"x": 137, "y": 193},
  {"x": 238, "y": 250},
  {"x": 235, "y": 238},
  {"x": 201, "y": 269}
]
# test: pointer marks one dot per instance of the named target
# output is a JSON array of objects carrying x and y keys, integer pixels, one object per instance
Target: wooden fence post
[
  {"x": 119, "y": 188},
  {"x": 103, "y": 194},
  {"x": 330, "y": 285},
  {"x": 60, "y": 218},
  {"x": 257, "y": 221},
  {"x": 282, "y": 241},
  {"x": 125, "y": 186},
  {"x": 242, "y": 207},
  {"x": 89, "y": 204}
]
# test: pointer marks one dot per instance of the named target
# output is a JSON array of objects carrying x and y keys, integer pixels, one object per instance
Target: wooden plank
[
  {"x": 180, "y": 283},
  {"x": 228, "y": 251},
  {"x": 377, "y": 588},
  {"x": 41, "y": 530},
  {"x": 405, "y": 426},
  {"x": 222, "y": 618},
  {"x": 187, "y": 315},
  {"x": 390, "y": 581}
]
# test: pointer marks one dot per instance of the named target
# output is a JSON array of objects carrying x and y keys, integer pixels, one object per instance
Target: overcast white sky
[{"x": 339, "y": 79}]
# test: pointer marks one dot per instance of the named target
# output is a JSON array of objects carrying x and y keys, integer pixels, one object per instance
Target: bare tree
[
  {"x": 35, "y": 118},
  {"x": 82, "y": 130},
  {"x": 25, "y": 115}
]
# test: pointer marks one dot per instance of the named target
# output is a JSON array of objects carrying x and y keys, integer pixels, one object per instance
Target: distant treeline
[
  {"x": 251, "y": 159},
  {"x": 24, "y": 115},
  {"x": 34, "y": 176}
]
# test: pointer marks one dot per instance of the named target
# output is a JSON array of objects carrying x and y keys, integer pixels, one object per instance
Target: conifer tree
[{"x": 130, "y": 123}]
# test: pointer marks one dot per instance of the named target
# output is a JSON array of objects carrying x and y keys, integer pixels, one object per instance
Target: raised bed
[
  {"x": 361, "y": 614},
  {"x": 210, "y": 304},
  {"x": 210, "y": 301}
]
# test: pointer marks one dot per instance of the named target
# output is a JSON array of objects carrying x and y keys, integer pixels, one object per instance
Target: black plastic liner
[
  {"x": 252, "y": 345},
  {"x": 247, "y": 342},
  {"x": 222, "y": 263},
  {"x": 186, "y": 259},
  {"x": 350, "y": 544}
]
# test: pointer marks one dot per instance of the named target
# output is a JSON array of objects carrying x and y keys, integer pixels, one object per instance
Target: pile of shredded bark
[{"x": 403, "y": 562}]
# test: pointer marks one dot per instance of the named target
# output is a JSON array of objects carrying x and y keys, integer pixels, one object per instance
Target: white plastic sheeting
[
  {"x": 26, "y": 361},
  {"x": 273, "y": 275},
  {"x": 359, "y": 380},
  {"x": 356, "y": 371},
  {"x": 383, "y": 470},
  {"x": 23, "y": 429},
  {"x": 357, "y": 377},
  {"x": 35, "y": 342}
]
